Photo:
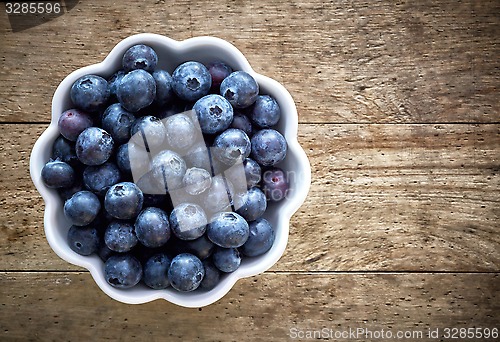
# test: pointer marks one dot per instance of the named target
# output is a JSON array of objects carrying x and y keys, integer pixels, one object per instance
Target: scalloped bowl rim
[{"x": 93, "y": 263}]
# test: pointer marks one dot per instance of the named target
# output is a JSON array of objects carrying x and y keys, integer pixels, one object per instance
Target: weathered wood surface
[
  {"x": 400, "y": 117},
  {"x": 343, "y": 61},
  {"x": 383, "y": 197},
  {"x": 265, "y": 308}
]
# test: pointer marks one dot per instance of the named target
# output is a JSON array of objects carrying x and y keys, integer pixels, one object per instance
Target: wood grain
[
  {"x": 344, "y": 62},
  {"x": 262, "y": 308},
  {"x": 383, "y": 197}
]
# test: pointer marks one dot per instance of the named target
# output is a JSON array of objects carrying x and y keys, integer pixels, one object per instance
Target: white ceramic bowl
[{"x": 170, "y": 54}]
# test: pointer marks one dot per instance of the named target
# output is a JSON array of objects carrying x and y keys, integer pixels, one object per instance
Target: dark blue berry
[
  {"x": 265, "y": 112},
  {"x": 66, "y": 193},
  {"x": 140, "y": 57},
  {"x": 268, "y": 147},
  {"x": 58, "y": 174},
  {"x": 82, "y": 208},
  {"x": 117, "y": 122},
  {"x": 156, "y": 271},
  {"x": 122, "y": 271},
  {"x": 202, "y": 247},
  {"x": 219, "y": 196},
  {"x": 181, "y": 132},
  {"x": 164, "y": 92},
  {"x": 148, "y": 132},
  {"x": 228, "y": 229},
  {"x": 253, "y": 172},
  {"x": 241, "y": 121},
  {"x": 90, "y": 93},
  {"x": 152, "y": 227},
  {"x": 196, "y": 181},
  {"x": 188, "y": 221},
  {"x": 240, "y": 89},
  {"x": 64, "y": 150},
  {"x": 186, "y": 272},
  {"x": 214, "y": 113},
  {"x": 73, "y": 122},
  {"x": 136, "y": 90},
  {"x": 191, "y": 81},
  {"x": 83, "y": 240},
  {"x": 252, "y": 204},
  {"x": 212, "y": 276},
  {"x": 169, "y": 169},
  {"x": 114, "y": 81},
  {"x": 232, "y": 146},
  {"x": 260, "y": 240},
  {"x": 94, "y": 146},
  {"x": 99, "y": 178},
  {"x": 123, "y": 200},
  {"x": 226, "y": 259},
  {"x": 120, "y": 236}
]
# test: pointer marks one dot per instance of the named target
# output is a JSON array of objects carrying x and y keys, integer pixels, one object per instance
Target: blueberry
[
  {"x": 99, "y": 178},
  {"x": 252, "y": 204},
  {"x": 104, "y": 252},
  {"x": 232, "y": 146},
  {"x": 241, "y": 121},
  {"x": 175, "y": 107},
  {"x": 58, "y": 174},
  {"x": 180, "y": 132},
  {"x": 214, "y": 113},
  {"x": 169, "y": 169},
  {"x": 140, "y": 57},
  {"x": 252, "y": 172},
  {"x": 132, "y": 159},
  {"x": 265, "y": 112},
  {"x": 219, "y": 71},
  {"x": 188, "y": 221},
  {"x": 261, "y": 238},
  {"x": 120, "y": 236},
  {"x": 83, "y": 240},
  {"x": 240, "y": 89},
  {"x": 117, "y": 122},
  {"x": 136, "y": 90},
  {"x": 154, "y": 192},
  {"x": 191, "y": 81},
  {"x": 228, "y": 230},
  {"x": 152, "y": 227},
  {"x": 275, "y": 184},
  {"x": 226, "y": 259},
  {"x": 148, "y": 132},
  {"x": 114, "y": 81},
  {"x": 164, "y": 92},
  {"x": 219, "y": 196},
  {"x": 122, "y": 271},
  {"x": 196, "y": 180},
  {"x": 212, "y": 276},
  {"x": 90, "y": 93},
  {"x": 82, "y": 208},
  {"x": 66, "y": 193},
  {"x": 186, "y": 272},
  {"x": 156, "y": 271},
  {"x": 73, "y": 122},
  {"x": 123, "y": 200},
  {"x": 94, "y": 146},
  {"x": 202, "y": 247},
  {"x": 268, "y": 147},
  {"x": 198, "y": 156},
  {"x": 64, "y": 150}
]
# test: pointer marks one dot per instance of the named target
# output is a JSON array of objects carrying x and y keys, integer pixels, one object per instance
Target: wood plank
[
  {"x": 384, "y": 197},
  {"x": 69, "y": 306},
  {"x": 348, "y": 61}
]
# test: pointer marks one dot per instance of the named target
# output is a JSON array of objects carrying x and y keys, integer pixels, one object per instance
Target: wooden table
[{"x": 399, "y": 114}]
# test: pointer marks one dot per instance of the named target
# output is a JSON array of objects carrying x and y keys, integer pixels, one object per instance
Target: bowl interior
[{"x": 171, "y": 53}]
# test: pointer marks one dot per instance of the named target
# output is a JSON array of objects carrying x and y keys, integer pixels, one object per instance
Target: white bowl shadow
[{"x": 171, "y": 53}]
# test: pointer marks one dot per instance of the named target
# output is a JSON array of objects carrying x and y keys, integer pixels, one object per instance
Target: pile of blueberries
[{"x": 166, "y": 176}]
